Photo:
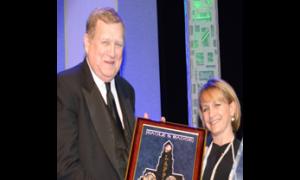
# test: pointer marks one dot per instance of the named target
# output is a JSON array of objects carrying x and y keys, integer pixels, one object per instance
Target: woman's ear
[
  {"x": 201, "y": 117},
  {"x": 232, "y": 109}
]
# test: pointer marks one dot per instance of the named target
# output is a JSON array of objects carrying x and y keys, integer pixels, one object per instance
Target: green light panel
[{"x": 203, "y": 51}]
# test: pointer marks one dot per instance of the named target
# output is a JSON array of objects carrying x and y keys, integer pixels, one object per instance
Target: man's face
[{"x": 105, "y": 49}]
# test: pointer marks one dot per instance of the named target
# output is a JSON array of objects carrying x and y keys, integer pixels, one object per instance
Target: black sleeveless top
[{"x": 225, "y": 166}]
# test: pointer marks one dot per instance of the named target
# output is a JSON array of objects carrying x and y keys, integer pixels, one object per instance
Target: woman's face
[{"x": 217, "y": 112}]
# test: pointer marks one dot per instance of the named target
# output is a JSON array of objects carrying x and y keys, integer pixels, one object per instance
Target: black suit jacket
[{"x": 85, "y": 144}]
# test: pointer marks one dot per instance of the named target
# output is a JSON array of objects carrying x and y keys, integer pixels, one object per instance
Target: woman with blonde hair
[{"x": 220, "y": 112}]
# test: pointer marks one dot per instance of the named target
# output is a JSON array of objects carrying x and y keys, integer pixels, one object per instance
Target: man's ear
[{"x": 86, "y": 42}]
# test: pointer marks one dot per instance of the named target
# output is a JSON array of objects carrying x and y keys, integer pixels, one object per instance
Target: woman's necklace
[{"x": 220, "y": 159}]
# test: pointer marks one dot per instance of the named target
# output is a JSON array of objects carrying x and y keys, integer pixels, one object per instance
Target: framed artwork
[{"x": 165, "y": 151}]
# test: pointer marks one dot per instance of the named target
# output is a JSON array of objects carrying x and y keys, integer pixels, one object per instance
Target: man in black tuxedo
[{"x": 93, "y": 136}]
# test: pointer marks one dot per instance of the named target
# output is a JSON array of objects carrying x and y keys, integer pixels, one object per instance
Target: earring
[{"x": 232, "y": 119}]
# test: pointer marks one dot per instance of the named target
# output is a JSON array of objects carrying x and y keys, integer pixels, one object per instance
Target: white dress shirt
[{"x": 101, "y": 86}]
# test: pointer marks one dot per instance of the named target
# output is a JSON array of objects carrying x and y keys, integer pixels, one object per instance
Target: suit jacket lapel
[
  {"x": 125, "y": 103},
  {"x": 99, "y": 115},
  {"x": 100, "y": 120}
]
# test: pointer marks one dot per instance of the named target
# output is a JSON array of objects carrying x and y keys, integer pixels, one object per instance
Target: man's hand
[{"x": 162, "y": 119}]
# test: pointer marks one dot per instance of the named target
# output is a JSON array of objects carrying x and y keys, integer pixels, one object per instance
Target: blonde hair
[
  {"x": 228, "y": 94},
  {"x": 107, "y": 15}
]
